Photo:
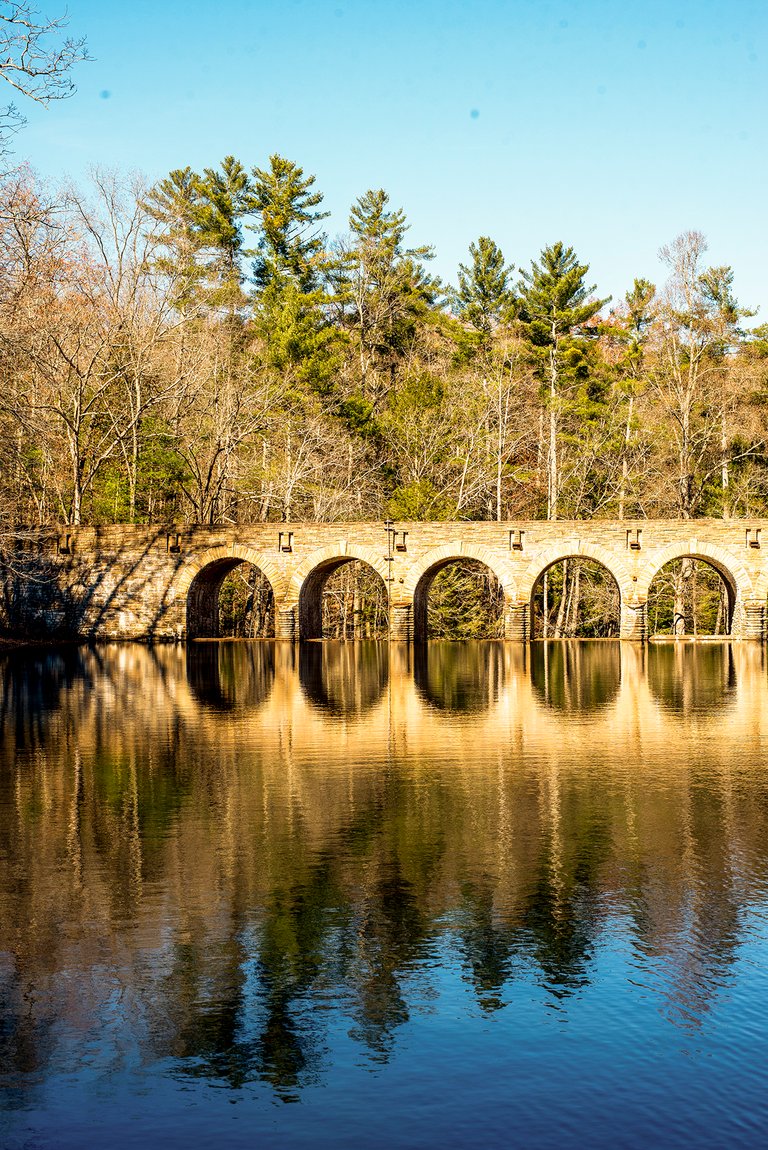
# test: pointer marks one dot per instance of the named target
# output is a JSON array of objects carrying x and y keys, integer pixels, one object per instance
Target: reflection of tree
[
  {"x": 227, "y": 676},
  {"x": 688, "y": 678},
  {"x": 33, "y": 686},
  {"x": 26, "y": 1042},
  {"x": 576, "y": 677},
  {"x": 232, "y": 887},
  {"x": 459, "y": 677},
  {"x": 344, "y": 679},
  {"x": 489, "y": 946}
]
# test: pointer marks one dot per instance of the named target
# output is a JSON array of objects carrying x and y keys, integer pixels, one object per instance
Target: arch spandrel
[
  {"x": 579, "y": 549},
  {"x": 725, "y": 562},
  {"x": 450, "y": 553}
]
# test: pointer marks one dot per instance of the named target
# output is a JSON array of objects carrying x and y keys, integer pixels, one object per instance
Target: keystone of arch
[
  {"x": 268, "y": 567},
  {"x": 580, "y": 549},
  {"x": 725, "y": 562},
  {"x": 335, "y": 553},
  {"x": 448, "y": 553}
]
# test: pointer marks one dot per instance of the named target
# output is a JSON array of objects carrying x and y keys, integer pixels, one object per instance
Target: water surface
[{"x": 474, "y": 894}]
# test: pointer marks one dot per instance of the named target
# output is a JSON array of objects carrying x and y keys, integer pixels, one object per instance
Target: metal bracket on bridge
[
  {"x": 634, "y": 539},
  {"x": 516, "y": 537},
  {"x": 753, "y": 537},
  {"x": 285, "y": 541}
]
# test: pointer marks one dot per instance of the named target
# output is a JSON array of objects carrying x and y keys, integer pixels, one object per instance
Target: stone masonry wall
[{"x": 134, "y": 582}]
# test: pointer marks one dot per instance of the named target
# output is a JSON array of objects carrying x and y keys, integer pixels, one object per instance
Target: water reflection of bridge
[
  {"x": 253, "y": 815},
  {"x": 485, "y": 680}
]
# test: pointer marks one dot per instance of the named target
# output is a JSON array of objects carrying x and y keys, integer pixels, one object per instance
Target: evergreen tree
[
  {"x": 225, "y": 197},
  {"x": 200, "y": 218},
  {"x": 174, "y": 204},
  {"x": 290, "y": 246},
  {"x": 388, "y": 289},
  {"x": 291, "y": 272},
  {"x": 555, "y": 304},
  {"x": 484, "y": 293}
]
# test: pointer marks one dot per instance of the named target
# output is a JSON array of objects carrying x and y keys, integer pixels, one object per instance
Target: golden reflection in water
[{"x": 179, "y": 823}]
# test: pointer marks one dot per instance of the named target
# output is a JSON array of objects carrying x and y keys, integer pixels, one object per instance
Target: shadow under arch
[
  {"x": 576, "y": 677},
  {"x": 203, "y": 595},
  {"x": 344, "y": 679},
  {"x": 310, "y": 595},
  {"x": 565, "y": 607},
  {"x": 461, "y": 677},
  {"x": 691, "y": 678},
  {"x": 231, "y": 675}
]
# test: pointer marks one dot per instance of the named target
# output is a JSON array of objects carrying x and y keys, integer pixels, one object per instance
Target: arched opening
[
  {"x": 230, "y": 598},
  {"x": 343, "y": 599},
  {"x": 575, "y": 598},
  {"x": 690, "y": 597},
  {"x": 458, "y": 599}
]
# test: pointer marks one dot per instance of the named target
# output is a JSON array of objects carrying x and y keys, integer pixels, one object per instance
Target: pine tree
[
  {"x": 484, "y": 293},
  {"x": 200, "y": 219},
  {"x": 291, "y": 274},
  {"x": 554, "y": 306},
  {"x": 225, "y": 198},
  {"x": 290, "y": 246},
  {"x": 174, "y": 204},
  {"x": 387, "y": 287}
]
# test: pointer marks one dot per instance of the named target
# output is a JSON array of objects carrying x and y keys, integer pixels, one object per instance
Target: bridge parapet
[{"x": 138, "y": 582}]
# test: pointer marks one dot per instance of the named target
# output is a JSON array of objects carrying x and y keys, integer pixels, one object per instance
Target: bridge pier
[
  {"x": 517, "y": 616},
  {"x": 632, "y": 624},
  {"x": 401, "y": 621},
  {"x": 752, "y": 620},
  {"x": 287, "y": 623}
]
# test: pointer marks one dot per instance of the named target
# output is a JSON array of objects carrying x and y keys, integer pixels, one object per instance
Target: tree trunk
[
  {"x": 552, "y": 476},
  {"x": 561, "y": 610}
]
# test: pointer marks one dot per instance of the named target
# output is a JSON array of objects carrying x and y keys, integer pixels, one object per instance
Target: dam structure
[{"x": 162, "y": 583}]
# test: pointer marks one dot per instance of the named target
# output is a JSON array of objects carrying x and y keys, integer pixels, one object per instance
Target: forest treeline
[{"x": 201, "y": 350}]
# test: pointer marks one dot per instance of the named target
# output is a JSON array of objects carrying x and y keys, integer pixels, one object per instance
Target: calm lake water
[{"x": 476, "y": 895}]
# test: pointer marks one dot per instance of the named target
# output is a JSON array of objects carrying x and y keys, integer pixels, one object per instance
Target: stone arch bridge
[{"x": 162, "y": 583}]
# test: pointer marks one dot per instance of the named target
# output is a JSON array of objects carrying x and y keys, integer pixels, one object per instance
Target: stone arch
[
  {"x": 198, "y": 582},
  {"x": 304, "y": 596},
  {"x": 732, "y": 571},
  {"x": 629, "y": 627},
  {"x": 414, "y": 593}
]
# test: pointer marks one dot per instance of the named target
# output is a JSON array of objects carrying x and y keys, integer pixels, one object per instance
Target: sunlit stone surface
[{"x": 427, "y": 897}]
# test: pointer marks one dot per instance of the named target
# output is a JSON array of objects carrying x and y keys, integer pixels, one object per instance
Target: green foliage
[
  {"x": 554, "y": 301},
  {"x": 199, "y": 219},
  {"x": 299, "y": 338},
  {"x": 384, "y": 286},
  {"x": 419, "y": 500},
  {"x": 466, "y": 601},
  {"x": 484, "y": 295},
  {"x": 290, "y": 247}
]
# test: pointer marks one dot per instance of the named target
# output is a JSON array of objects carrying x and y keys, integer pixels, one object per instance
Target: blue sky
[{"x": 610, "y": 125}]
